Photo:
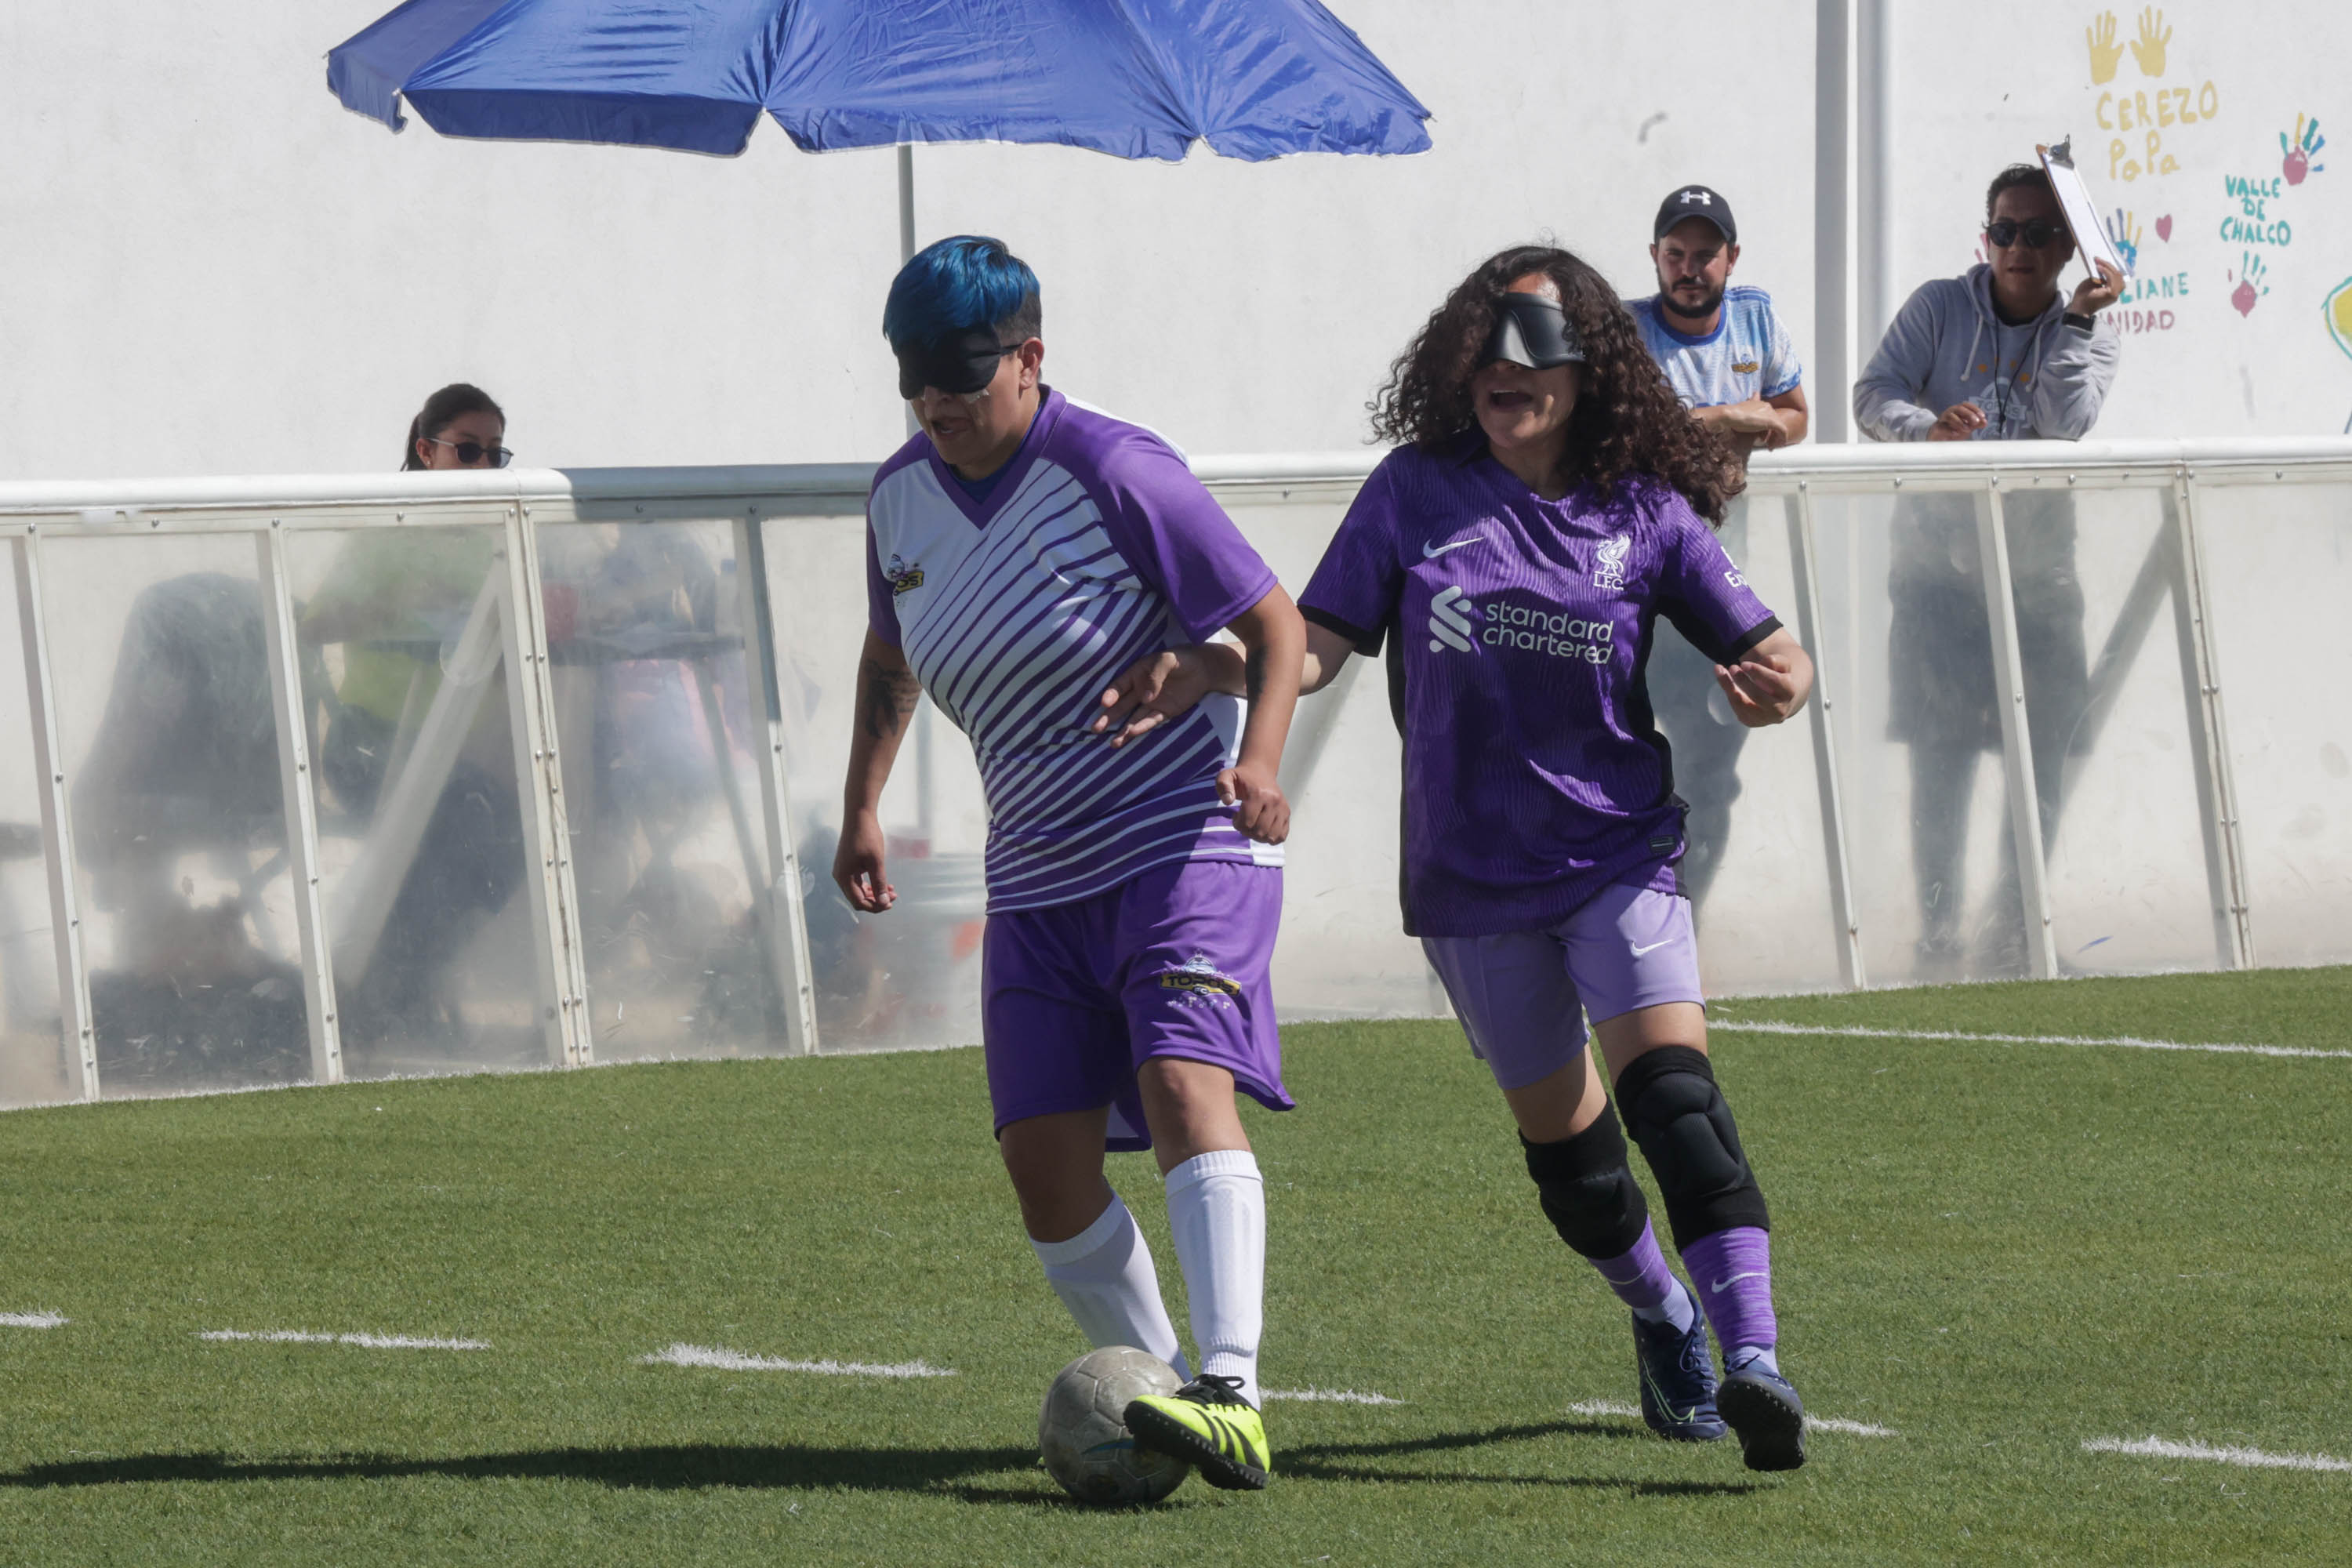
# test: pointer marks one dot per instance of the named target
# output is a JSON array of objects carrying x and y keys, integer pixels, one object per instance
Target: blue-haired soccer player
[
  {"x": 1545, "y": 506},
  {"x": 1022, "y": 551}
]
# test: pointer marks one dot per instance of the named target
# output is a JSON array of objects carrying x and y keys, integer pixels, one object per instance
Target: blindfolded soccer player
[
  {"x": 1021, "y": 552},
  {"x": 1547, "y": 503}
]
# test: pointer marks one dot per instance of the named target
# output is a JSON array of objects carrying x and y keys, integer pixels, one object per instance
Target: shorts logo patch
[
  {"x": 1203, "y": 984},
  {"x": 904, "y": 579}
]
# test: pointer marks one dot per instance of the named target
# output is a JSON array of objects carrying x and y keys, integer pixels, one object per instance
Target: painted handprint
[
  {"x": 2105, "y": 51},
  {"x": 2125, "y": 231},
  {"x": 2250, "y": 286},
  {"x": 2301, "y": 150},
  {"x": 2154, "y": 36}
]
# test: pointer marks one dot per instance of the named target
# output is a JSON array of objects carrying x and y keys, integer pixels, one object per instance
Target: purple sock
[
  {"x": 1640, "y": 1277},
  {"x": 1732, "y": 1273}
]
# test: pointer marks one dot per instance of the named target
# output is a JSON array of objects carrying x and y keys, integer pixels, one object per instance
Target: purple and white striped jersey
[
  {"x": 1516, "y": 631},
  {"x": 1093, "y": 546}
]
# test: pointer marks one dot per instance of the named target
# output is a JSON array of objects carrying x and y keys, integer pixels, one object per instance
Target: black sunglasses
[
  {"x": 2035, "y": 232},
  {"x": 472, "y": 452}
]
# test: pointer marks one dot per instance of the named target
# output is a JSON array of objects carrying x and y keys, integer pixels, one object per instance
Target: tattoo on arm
[
  {"x": 890, "y": 696},
  {"x": 1254, "y": 674}
]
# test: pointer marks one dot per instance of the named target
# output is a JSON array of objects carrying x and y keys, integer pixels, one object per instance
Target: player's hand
[
  {"x": 858, "y": 864},
  {"x": 1261, "y": 811},
  {"x": 1761, "y": 689},
  {"x": 2093, "y": 295},
  {"x": 1150, "y": 692},
  {"x": 1957, "y": 423}
]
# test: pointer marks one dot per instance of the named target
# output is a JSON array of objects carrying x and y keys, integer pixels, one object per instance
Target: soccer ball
[{"x": 1083, "y": 1428}]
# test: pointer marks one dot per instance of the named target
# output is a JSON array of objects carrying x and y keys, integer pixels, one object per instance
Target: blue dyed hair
[{"x": 970, "y": 280}]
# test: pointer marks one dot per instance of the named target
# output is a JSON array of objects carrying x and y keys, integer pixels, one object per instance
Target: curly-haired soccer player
[
  {"x": 1023, "y": 549},
  {"x": 1544, "y": 506}
]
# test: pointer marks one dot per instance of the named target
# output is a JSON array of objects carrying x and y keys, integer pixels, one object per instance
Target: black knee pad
[
  {"x": 1687, "y": 1135},
  {"x": 1587, "y": 1192}
]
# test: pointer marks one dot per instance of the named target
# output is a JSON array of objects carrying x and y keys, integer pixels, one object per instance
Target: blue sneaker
[
  {"x": 1768, "y": 1416},
  {"x": 1678, "y": 1378}
]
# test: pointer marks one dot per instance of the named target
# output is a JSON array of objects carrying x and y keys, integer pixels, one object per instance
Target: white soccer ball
[{"x": 1083, "y": 1428}]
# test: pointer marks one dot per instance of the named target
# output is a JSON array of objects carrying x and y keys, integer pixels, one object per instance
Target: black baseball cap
[{"x": 1696, "y": 201}]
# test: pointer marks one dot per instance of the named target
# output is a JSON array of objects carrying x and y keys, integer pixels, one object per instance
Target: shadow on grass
[{"x": 935, "y": 1471}]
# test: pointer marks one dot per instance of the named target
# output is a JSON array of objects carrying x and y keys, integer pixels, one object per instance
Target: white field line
[
  {"x": 33, "y": 1319},
  {"x": 1329, "y": 1397},
  {"x": 1812, "y": 1423},
  {"x": 736, "y": 1361},
  {"x": 2252, "y": 1458},
  {"x": 365, "y": 1342},
  {"x": 1740, "y": 1027}
]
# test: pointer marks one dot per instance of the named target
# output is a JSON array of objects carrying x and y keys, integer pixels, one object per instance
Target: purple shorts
[
  {"x": 1171, "y": 963},
  {"x": 1519, "y": 994}
]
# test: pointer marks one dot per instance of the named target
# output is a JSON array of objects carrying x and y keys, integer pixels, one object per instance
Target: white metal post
[
  {"x": 1835, "y": 842},
  {"x": 1833, "y": 367},
  {"x": 1874, "y": 234},
  {"x": 539, "y": 789},
  {"x": 783, "y": 917},
  {"x": 2217, "y": 792},
  {"x": 2016, "y": 737},
  {"x": 296, "y": 781},
  {"x": 79, "y": 1035}
]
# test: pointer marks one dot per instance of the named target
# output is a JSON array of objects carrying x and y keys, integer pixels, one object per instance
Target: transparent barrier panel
[
  {"x": 170, "y": 752},
  {"x": 2278, "y": 563},
  {"x": 1757, "y": 869},
  {"x": 420, "y": 839},
  {"x": 1342, "y": 952},
  {"x": 661, "y": 789},
  {"x": 2094, "y": 577},
  {"x": 909, "y": 976},
  {"x": 36, "y": 1069},
  {"x": 1905, "y": 640}
]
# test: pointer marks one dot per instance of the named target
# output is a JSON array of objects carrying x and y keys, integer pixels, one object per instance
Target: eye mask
[
  {"x": 963, "y": 362},
  {"x": 1534, "y": 332}
]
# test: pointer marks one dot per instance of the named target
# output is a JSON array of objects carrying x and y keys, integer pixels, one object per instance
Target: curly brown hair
[{"x": 1627, "y": 419}]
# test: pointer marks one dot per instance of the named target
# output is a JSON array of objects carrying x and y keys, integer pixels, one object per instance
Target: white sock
[
  {"x": 1217, "y": 1206},
  {"x": 1104, "y": 1276}
]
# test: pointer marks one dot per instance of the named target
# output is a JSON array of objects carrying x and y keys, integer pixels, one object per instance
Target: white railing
[{"x": 280, "y": 831}]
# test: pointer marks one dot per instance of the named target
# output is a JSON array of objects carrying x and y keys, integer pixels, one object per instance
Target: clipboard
[{"x": 2091, "y": 241}]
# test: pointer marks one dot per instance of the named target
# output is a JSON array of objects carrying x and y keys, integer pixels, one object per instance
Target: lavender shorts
[
  {"x": 1171, "y": 963},
  {"x": 1519, "y": 994}
]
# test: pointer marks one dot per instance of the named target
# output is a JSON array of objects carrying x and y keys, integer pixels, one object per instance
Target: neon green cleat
[{"x": 1208, "y": 1422}]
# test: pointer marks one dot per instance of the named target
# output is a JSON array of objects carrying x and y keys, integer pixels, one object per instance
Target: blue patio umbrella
[{"x": 1137, "y": 78}]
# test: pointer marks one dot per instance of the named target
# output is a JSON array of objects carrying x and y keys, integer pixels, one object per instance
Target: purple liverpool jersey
[
  {"x": 1516, "y": 631},
  {"x": 1093, "y": 546}
]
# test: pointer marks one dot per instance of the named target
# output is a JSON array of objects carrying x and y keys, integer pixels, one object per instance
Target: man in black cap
[{"x": 1726, "y": 355}]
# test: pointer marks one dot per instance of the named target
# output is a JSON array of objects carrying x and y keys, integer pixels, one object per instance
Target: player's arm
[
  {"x": 1164, "y": 686},
  {"x": 1274, "y": 646},
  {"x": 1770, "y": 682},
  {"x": 1754, "y": 422},
  {"x": 887, "y": 694}
]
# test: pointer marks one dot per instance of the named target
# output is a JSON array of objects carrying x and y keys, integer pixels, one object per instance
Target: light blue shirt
[{"x": 1748, "y": 355}]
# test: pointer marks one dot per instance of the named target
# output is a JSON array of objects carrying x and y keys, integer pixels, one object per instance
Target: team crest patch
[
  {"x": 903, "y": 578},
  {"x": 1203, "y": 983},
  {"x": 1609, "y": 563},
  {"x": 1746, "y": 367}
]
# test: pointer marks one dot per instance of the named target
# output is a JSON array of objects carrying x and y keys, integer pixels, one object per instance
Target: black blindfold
[
  {"x": 963, "y": 362},
  {"x": 1534, "y": 332}
]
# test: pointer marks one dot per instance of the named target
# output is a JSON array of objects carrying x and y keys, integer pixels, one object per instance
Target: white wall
[{"x": 209, "y": 267}]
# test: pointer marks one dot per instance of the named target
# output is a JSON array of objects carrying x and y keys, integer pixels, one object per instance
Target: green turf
[{"x": 1999, "y": 1251}]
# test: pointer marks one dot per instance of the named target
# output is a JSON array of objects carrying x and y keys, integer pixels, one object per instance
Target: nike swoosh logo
[
  {"x": 1752, "y": 1274},
  {"x": 1652, "y": 948},
  {"x": 1432, "y": 551}
]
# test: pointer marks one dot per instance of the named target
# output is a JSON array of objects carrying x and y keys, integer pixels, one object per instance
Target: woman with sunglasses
[
  {"x": 1548, "y": 501},
  {"x": 458, "y": 427},
  {"x": 1996, "y": 354}
]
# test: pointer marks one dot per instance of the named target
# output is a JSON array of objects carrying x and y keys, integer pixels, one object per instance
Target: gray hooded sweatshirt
[{"x": 2041, "y": 381}]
